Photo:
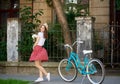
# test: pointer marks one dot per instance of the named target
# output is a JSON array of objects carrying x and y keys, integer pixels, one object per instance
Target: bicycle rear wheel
[
  {"x": 67, "y": 70},
  {"x": 96, "y": 71}
]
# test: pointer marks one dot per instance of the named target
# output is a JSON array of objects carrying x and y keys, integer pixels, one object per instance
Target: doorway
[
  {"x": 115, "y": 31},
  {"x": 8, "y": 9}
]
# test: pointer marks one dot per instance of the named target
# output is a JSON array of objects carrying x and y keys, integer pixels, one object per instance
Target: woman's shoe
[
  {"x": 39, "y": 80},
  {"x": 48, "y": 76}
]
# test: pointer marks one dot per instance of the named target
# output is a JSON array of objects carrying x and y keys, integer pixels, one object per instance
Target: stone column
[
  {"x": 13, "y": 35},
  {"x": 84, "y": 33}
]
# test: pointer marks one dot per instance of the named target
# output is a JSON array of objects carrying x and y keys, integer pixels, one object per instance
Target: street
[{"x": 57, "y": 80}]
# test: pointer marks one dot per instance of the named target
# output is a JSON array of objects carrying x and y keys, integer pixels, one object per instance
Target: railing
[
  {"x": 101, "y": 44},
  {"x": 106, "y": 44},
  {"x": 105, "y": 47},
  {"x": 53, "y": 45}
]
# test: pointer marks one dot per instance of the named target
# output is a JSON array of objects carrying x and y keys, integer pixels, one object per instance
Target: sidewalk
[
  {"x": 112, "y": 76},
  {"x": 57, "y": 80},
  {"x": 108, "y": 72},
  {"x": 18, "y": 77},
  {"x": 112, "y": 72}
]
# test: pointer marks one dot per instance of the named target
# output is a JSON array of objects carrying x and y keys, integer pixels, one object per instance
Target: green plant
[
  {"x": 49, "y": 3},
  {"x": 3, "y": 53},
  {"x": 30, "y": 22},
  {"x": 71, "y": 6},
  {"x": 3, "y": 44},
  {"x": 13, "y": 81},
  {"x": 118, "y": 4}
]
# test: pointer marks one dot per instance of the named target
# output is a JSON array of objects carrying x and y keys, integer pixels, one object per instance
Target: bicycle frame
[
  {"x": 80, "y": 67},
  {"x": 75, "y": 58}
]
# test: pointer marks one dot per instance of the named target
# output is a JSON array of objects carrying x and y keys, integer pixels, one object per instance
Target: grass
[{"x": 13, "y": 81}]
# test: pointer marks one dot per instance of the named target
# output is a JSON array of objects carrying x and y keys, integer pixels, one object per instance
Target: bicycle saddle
[{"x": 87, "y": 51}]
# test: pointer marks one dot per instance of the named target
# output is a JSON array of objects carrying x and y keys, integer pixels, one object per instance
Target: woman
[{"x": 39, "y": 53}]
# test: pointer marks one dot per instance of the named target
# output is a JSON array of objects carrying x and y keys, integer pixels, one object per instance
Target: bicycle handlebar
[
  {"x": 77, "y": 42},
  {"x": 69, "y": 46}
]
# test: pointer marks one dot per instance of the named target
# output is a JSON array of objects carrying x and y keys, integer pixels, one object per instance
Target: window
[{"x": 8, "y": 9}]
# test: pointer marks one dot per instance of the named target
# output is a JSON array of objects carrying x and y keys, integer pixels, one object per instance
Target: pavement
[
  {"x": 56, "y": 79},
  {"x": 112, "y": 76}
]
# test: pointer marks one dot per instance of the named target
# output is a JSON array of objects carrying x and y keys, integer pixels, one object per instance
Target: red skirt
[{"x": 39, "y": 53}]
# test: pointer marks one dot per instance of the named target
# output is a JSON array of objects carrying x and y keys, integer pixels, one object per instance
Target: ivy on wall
[{"x": 117, "y": 4}]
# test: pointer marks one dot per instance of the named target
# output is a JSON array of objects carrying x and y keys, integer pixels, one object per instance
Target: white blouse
[{"x": 42, "y": 39}]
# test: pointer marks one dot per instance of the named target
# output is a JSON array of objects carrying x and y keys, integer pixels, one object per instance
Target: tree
[{"x": 62, "y": 20}]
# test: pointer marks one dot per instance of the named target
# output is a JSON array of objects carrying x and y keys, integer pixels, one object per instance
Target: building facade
[{"x": 105, "y": 12}]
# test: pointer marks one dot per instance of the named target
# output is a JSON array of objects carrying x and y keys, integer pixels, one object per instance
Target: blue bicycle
[{"x": 92, "y": 68}]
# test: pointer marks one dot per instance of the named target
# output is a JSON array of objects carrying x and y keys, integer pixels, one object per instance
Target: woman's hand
[
  {"x": 33, "y": 47},
  {"x": 36, "y": 42}
]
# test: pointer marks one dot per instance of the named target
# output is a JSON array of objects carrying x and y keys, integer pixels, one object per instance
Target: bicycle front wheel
[
  {"x": 67, "y": 70},
  {"x": 96, "y": 71}
]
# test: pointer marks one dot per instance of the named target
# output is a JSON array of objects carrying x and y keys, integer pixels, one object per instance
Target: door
[
  {"x": 8, "y": 9},
  {"x": 115, "y": 31}
]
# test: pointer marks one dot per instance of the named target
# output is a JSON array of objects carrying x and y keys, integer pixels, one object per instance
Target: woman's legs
[
  {"x": 40, "y": 74},
  {"x": 42, "y": 71}
]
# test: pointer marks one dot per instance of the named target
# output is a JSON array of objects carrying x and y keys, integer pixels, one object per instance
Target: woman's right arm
[{"x": 36, "y": 42}]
